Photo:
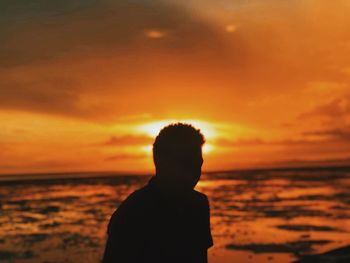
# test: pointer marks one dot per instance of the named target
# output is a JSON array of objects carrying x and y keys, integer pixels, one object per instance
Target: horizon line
[{"x": 45, "y": 176}]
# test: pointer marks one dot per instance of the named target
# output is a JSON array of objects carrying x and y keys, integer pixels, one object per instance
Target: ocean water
[{"x": 256, "y": 216}]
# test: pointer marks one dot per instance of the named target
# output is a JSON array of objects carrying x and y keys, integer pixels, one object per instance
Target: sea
[{"x": 266, "y": 215}]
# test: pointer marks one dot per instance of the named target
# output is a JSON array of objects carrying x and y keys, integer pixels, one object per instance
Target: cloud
[
  {"x": 332, "y": 134},
  {"x": 336, "y": 108},
  {"x": 49, "y": 94},
  {"x": 54, "y": 29},
  {"x": 262, "y": 142},
  {"x": 230, "y": 28},
  {"x": 312, "y": 163},
  {"x": 125, "y": 156},
  {"x": 127, "y": 140},
  {"x": 92, "y": 59},
  {"x": 239, "y": 142},
  {"x": 154, "y": 33},
  {"x": 313, "y": 137},
  {"x": 136, "y": 117},
  {"x": 44, "y": 164}
]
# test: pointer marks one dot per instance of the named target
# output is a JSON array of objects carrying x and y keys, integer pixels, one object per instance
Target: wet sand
[{"x": 257, "y": 216}]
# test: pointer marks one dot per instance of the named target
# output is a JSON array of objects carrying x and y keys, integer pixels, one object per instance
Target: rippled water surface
[{"x": 256, "y": 216}]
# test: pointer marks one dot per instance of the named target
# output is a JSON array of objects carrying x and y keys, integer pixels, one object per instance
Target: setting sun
[{"x": 153, "y": 128}]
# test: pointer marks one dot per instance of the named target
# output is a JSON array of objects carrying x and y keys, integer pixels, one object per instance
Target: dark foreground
[{"x": 257, "y": 216}]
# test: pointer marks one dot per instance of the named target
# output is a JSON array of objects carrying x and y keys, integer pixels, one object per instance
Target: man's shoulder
[
  {"x": 201, "y": 199},
  {"x": 135, "y": 200},
  {"x": 129, "y": 209},
  {"x": 140, "y": 195},
  {"x": 200, "y": 196}
]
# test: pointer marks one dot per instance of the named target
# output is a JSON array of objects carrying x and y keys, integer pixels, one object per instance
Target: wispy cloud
[
  {"x": 127, "y": 140},
  {"x": 333, "y": 134},
  {"x": 65, "y": 59},
  {"x": 337, "y": 108},
  {"x": 125, "y": 156}
]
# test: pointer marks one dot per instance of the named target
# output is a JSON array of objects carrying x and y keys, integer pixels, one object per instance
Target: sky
[{"x": 87, "y": 85}]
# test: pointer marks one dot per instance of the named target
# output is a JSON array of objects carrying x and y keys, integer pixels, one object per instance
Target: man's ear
[{"x": 158, "y": 161}]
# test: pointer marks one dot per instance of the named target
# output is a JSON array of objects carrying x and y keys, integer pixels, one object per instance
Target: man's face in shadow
[{"x": 183, "y": 168}]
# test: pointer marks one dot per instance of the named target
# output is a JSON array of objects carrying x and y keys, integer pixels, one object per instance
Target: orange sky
[{"x": 85, "y": 85}]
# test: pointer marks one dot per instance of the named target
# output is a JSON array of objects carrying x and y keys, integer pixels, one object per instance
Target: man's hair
[{"x": 174, "y": 137}]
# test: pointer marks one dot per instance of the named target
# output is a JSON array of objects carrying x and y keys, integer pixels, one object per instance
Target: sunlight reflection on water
[{"x": 256, "y": 215}]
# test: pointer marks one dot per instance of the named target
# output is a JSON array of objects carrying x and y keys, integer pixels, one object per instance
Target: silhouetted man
[{"x": 166, "y": 220}]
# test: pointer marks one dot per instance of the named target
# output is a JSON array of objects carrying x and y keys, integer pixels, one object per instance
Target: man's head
[{"x": 177, "y": 155}]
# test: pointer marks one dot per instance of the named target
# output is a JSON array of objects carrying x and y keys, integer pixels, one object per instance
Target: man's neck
[{"x": 166, "y": 190}]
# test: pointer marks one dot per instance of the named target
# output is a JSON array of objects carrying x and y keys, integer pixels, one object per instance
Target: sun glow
[
  {"x": 152, "y": 129},
  {"x": 207, "y": 148},
  {"x": 147, "y": 149}
]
